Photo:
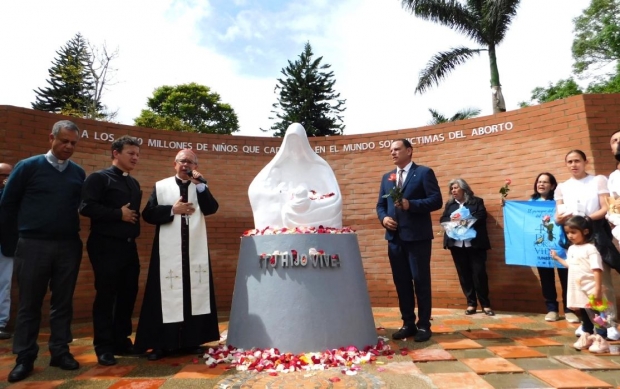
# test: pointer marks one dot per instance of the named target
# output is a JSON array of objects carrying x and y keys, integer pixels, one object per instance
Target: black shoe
[
  {"x": 423, "y": 335},
  {"x": 405, "y": 332},
  {"x": 4, "y": 334},
  {"x": 65, "y": 362},
  {"x": 127, "y": 350},
  {"x": 489, "y": 312},
  {"x": 156, "y": 354},
  {"x": 20, "y": 371},
  {"x": 106, "y": 359},
  {"x": 124, "y": 347}
]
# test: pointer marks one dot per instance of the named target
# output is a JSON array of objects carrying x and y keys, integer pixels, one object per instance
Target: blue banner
[{"x": 530, "y": 232}]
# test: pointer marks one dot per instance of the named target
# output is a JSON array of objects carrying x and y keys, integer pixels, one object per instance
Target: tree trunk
[{"x": 499, "y": 105}]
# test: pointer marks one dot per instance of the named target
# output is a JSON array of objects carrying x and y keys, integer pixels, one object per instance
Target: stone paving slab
[{"x": 509, "y": 350}]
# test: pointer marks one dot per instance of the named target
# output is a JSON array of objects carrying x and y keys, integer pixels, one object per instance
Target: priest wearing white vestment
[{"x": 178, "y": 311}]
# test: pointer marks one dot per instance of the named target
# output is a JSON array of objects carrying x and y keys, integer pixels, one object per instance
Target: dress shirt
[
  {"x": 405, "y": 171},
  {"x": 59, "y": 164}
]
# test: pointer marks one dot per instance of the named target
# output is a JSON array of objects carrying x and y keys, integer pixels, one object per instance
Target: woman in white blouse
[{"x": 584, "y": 194}]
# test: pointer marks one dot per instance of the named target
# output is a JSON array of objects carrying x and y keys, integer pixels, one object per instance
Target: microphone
[{"x": 190, "y": 173}]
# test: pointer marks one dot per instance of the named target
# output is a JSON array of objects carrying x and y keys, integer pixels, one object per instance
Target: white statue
[{"x": 297, "y": 188}]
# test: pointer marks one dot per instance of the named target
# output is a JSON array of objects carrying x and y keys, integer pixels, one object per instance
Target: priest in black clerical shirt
[
  {"x": 111, "y": 199},
  {"x": 178, "y": 312}
]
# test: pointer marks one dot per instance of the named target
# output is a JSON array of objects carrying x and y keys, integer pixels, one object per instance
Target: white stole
[{"x": 170, "y": 266}]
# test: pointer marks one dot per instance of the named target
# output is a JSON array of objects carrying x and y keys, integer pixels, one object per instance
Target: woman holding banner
[
  {"x": 585, "y": 195},
  {"x": 465, "y": 223},
  {"x": 544, "y": 189}
]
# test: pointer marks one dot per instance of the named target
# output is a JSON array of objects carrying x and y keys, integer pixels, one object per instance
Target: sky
[{"x": 238, "y": 48}]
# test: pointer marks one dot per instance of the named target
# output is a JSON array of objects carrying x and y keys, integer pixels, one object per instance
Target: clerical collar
[
  {"x": 119, "y": 171},
  {"x": 181, "y": 180},
  {"x": 52, "y": 158}
]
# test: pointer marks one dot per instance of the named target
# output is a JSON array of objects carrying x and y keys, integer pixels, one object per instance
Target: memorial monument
[{"x": 300, "y": 282}]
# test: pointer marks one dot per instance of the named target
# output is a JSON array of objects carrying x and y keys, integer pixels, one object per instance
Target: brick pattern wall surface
[{"x": 484, "y": 151}]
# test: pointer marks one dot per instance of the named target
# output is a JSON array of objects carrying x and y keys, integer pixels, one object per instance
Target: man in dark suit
[{"x": 409, "y": 232}]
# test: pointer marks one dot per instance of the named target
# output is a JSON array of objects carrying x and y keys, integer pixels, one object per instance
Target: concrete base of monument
[{"x": 289, "y": 298}]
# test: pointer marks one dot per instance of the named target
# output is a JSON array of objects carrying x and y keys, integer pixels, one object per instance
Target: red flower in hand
[
  {"x": 392, "y": 177},
  {"x": 504, "y": 189}
]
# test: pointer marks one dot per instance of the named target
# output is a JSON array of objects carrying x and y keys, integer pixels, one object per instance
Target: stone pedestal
[{"x": 280, "y": 302}]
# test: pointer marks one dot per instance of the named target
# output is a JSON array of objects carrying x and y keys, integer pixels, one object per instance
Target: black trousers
[
  {"x": 411, "y": 271},
  {"x": 547, "y": 282},
  {"x": 116, "y": 266},
  {"x": 471, "y": 267},
  {"x": 39, "y": 264}
]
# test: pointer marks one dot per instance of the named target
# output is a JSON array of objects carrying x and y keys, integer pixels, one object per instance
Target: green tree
[
  {"x": 306, "y": 96},
  {"x": 610, "y": 84},
  {"x": 71, "y": 85},
  {"x": 560, "y": 90},
  {"x": 188, "y": 108},
  {"x": 465, "y": 113},
  {"x": 483, "y": 21},
  {"x": 597, "y": 35},
  {"x": 565, "y": 88}
]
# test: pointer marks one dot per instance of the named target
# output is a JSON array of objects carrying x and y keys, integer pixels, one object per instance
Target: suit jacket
[
  {"x": 422, "y": 191},
  {"x": 477, "y": 210}
]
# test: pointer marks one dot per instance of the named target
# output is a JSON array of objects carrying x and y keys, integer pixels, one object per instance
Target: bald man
[
  {"x": 178, "y": 312},
  {"x": 6, "y": 266}
]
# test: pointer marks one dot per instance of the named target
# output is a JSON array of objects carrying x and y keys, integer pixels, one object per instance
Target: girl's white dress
[{"x": 582, "y": 260}]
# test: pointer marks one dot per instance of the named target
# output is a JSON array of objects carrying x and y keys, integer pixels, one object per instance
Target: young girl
[{"x": 585, "y": 278}]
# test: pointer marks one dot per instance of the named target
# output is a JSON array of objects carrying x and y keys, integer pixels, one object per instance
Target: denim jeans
[{"x": 6, "y": 273}]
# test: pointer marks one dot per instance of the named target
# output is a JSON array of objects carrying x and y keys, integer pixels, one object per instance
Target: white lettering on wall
[
  {"x": 271, "y": 150},
  {"x": 492, "y": 129},
  {"x": 251, "y": 149},
  {"x": 359, "y": 146},
  {"x": 225, "y": 148},
  {"x": 319, "y": 149},
  {"x": 164, "y": 144},
  {"x": 104, "y": 136},
  {"x": 426, "y": 139}
]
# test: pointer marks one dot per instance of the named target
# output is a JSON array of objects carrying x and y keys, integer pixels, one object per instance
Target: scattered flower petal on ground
[{"x": 273, "y": 361}]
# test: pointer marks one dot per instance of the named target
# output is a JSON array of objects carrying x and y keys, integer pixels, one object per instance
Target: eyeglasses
[{"x": 186, "y": 161}]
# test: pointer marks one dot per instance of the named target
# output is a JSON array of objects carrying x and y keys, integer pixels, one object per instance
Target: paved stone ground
[{"x": 509, "y": 350}]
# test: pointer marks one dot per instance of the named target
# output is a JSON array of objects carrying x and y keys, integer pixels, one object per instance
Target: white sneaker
[
  {"x": 571, "y": 317},
  {"x": 584, "y": 341},
  {"x": 613, "y": 334},
  {"x": 579, "y": 331},
  {"x": 599, "y": 345},
  {"x": 552, "y": 316}
]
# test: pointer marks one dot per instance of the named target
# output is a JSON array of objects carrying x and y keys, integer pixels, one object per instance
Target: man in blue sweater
[{"x": 43, "y": 194}]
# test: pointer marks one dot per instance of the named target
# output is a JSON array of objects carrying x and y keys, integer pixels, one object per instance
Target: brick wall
[{"x": 484, "y": 151}]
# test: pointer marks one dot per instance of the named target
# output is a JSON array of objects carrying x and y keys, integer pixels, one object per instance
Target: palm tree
[
  {"x": 484, "y": 21},
  {"x": 465, "y": 113}
]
